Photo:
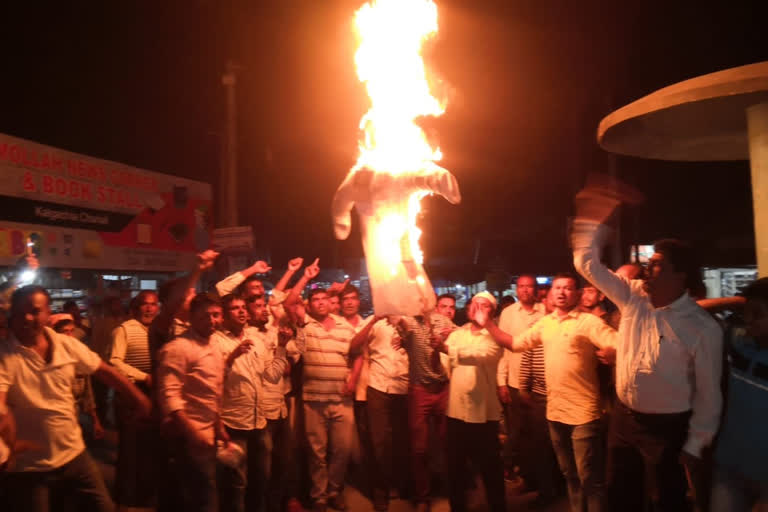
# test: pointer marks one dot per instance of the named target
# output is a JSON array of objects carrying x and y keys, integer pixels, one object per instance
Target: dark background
[{"x": 140, "y": 83}]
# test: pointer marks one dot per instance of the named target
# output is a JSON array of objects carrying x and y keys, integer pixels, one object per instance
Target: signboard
[
  {"x": 84, "y": 212},
  {"x": 238, "y": 238}
]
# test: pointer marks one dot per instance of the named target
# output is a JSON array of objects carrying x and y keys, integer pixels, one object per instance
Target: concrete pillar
[{"x": 757, "y": 124}]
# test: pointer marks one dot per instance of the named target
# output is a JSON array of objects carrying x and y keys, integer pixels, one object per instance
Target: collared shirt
[
  {"x": 514, "y": 320},
  {"x": 474, "y": 356},
  {"x": 427, "y": 366},
  {"x": 668, "y": 359},
  {"x": 326, "y": 359},
  {"x": 243, "y": 383},
  {"x": 129, "y": 352},
  {"x": 570, "y": 363},
  {"x": 190, "y": 378},
  {"x": 272, "y": 402},
  {"x": 41, "y": 397},
  {"x": 388, "y": 365}
]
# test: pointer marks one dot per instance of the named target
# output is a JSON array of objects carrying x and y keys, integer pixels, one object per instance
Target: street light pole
[{"x": 228, "y": 184}]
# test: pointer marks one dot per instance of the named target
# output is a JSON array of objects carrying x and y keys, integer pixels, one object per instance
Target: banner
[{"x": 84, "y": 212}]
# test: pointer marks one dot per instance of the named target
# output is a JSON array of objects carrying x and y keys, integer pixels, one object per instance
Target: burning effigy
[{"x": 396, "y": 167}]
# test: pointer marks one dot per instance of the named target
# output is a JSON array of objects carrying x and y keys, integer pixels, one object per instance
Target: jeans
[
  {"x": 732, "y": 492},
  {"x": 643, "y": 460},
  {"x": 242, "y": 488},
  {"x": 425, "y": 405},
  {"x": 538, "y": 463},
  {"x": 330, "y": 429},
  {"x": 388, "y": 415},
  {"x": 579, "y": 451},
  {"x": 79, "y": 481},
  {"x": 479, "y": 443},
  {"x": 195, "y": 476}
]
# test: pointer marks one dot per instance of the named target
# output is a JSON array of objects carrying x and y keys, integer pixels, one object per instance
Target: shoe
[
  {"x": 338, "y": 502},
  {"x": 294, "y": 505}
]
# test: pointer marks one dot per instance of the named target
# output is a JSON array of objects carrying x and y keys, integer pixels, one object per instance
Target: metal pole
[{"x": 228, "y": 183}]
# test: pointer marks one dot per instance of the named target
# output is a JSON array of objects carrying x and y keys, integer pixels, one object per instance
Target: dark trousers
[
  {"x": 513, "y": 422},
  {"x": 643, "y": 460},
  {"x": 388, "y": 421},
  {"x": 365, "y": 463},
  {"x": 538, "y": 462},
  {"x": 79, "y": 482},
  {"x": 135, "y": 480},
  {"x": 478, "y": 443},
  {"x": 425, "y": 406},
  {"x": 282, "y": 477}
]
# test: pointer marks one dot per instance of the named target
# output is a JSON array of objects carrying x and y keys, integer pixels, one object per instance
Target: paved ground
[{"x": 105, "y": 453}]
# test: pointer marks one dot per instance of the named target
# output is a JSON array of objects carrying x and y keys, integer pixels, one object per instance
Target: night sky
[{"x": 140, "y": 82}]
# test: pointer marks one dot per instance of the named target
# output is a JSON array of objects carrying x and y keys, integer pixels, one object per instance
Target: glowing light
[
  {"x": 396, "y": 166},
  {"x": 391, "y": 35},
  {"x": 27, "y": 277}
]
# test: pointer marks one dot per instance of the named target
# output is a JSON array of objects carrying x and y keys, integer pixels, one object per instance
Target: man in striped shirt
[
  {"x": 328, "y": 411},
  {"x": 130, "y": 355}
]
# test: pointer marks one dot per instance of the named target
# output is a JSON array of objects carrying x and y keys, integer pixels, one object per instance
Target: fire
[
  {"x": 397, "y": 165},
  {"x": 391, "y": 35}
]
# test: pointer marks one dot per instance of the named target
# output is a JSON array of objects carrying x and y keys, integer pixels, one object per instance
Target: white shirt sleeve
[
  {"x": 118, "y": 349},
  {"x": 587, "y": 239},
  {"x": 472, "y": 353},
  {"x": 170, "y": 376},
  {"x": 600, "y": 333},
  {"x": 228, "y": 284},
  {"x": 502, "y": 370},
  {"x": 88, "y": 361}
]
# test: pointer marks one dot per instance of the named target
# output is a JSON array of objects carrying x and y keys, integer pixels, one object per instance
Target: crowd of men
[{"x": 236, "y": 399}]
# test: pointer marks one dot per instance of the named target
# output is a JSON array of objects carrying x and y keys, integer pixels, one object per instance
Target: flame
[{"x": 391, "y": 35}]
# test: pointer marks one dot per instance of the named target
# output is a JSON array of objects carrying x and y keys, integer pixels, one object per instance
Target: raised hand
[
  {"x": 206, "y": 259},
  {"x": 479, "y": 315},
  {"x": 312, "y": 270},
  {"x": 337, "y": 287},
  {"x": 295, "y": 264},
  {"x": 261, "y": 267}
]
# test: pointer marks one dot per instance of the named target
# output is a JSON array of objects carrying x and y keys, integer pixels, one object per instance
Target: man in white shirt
[
  {"x": 190, "y": 377},
  {"x": 473, "y": 407},
  {"x": 246, "y": 282},
  {"x": 572, "y": 342},
  {"x": 37, "y": 370},
  {"x": 387, "y": 396},
  {"x": 668, "y": 366},
  {"x": 247, "y": 368},
  {"x": 514, "y": 320}
]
